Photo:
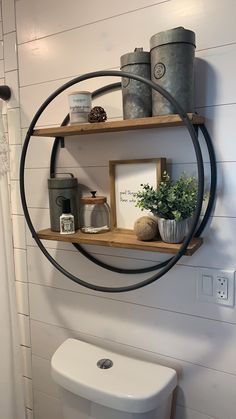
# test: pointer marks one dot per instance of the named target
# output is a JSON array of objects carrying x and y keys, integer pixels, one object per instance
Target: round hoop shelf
[{"x": 168, "y": 264}]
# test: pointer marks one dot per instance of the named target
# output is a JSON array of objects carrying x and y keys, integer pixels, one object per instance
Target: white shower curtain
[{"x": 11, "y": 383}]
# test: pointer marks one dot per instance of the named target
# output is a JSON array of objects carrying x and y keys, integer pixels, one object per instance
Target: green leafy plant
[{"x": 171, "y": 200}]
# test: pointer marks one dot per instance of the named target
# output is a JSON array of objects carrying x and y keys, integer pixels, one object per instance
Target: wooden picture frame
[{"x": 126, "y": 177}]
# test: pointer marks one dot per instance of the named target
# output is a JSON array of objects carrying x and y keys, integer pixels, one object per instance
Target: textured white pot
[{"x": 172, "y": 231}]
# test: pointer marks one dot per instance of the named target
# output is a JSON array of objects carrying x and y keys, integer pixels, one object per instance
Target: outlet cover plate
[{"x": 216, "y": 286}]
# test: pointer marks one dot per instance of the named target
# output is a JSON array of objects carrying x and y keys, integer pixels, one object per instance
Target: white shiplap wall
[{"x": 164, "y": 322}]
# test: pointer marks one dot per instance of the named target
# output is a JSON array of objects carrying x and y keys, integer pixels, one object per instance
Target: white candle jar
[{"x": 80, "y": 105}]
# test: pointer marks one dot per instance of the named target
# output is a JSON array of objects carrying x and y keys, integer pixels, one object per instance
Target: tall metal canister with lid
[
  {"x": 59, "y": 189},
  {"x": 172, "y": 67},
  {"x": 137, "y": 96}
]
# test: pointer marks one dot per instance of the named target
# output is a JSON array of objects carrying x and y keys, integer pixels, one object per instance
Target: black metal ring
[
  {"x": 213, "y": 183},
  {"x": 197, "y": 149}
]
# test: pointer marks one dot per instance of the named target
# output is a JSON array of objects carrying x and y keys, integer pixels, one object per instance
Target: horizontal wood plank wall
[{"x": 164, "y": 322}]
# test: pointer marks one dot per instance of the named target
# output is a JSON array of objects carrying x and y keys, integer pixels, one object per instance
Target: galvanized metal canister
[
  {"x": 172, "y": 67},
  {"x": 61, "y": 188},
  {"x": 137, "y": 96}
]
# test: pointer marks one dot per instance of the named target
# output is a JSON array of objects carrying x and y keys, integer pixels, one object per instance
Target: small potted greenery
[{"x": 173, "y": 203}]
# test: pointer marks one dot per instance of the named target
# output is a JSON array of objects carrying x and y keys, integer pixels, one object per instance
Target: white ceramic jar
[{"x": 80, "y": 105}]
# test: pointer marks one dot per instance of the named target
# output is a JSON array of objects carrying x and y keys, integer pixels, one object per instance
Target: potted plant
[{"x": 173, "y": 203}]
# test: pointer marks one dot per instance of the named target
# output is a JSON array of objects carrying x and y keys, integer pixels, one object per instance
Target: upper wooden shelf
[
  {"x": 115, "y": 126},
  {"x": 120, "y": 239}
]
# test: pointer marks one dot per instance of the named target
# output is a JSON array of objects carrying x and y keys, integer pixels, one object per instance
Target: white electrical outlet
[
  {"x": 221, "y": 288},
  {"x": 216, "y": 286}
]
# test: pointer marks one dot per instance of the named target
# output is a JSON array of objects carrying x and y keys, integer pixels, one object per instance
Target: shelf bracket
[
  {"x": 62, "y": 141},
  {"x": 196, "y": 127}
]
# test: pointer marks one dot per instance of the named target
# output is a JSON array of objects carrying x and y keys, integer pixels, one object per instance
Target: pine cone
[{"x": 97, "y": 114}]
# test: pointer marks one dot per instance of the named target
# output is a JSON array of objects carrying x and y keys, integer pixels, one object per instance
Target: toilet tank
[{"x": 112, "y": 380}]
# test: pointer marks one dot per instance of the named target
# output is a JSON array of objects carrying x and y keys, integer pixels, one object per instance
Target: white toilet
[{"x": 100, "y": 384}]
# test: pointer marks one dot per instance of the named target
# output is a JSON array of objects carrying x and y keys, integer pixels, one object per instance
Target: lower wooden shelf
[{"x": 120, "y": 239}]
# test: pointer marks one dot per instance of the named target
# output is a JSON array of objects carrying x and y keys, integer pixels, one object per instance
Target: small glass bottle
[
  {"x": 67, "y": 221},
  {"x": 95, "y": 214}
]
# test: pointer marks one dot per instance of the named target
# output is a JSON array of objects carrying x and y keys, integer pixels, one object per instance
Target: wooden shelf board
[
  {"x": 115, "y": 126},
  {"x": 120, "y": 239}
]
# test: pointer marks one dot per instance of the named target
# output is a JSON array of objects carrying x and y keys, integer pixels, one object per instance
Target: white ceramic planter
[{"x": 172, "y": 231}]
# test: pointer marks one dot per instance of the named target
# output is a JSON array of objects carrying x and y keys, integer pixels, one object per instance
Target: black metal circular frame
[{"x": 166, "y": 265}]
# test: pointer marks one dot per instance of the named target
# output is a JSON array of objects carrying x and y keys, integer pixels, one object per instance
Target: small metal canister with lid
[
  {"x": 59, "y": 189},
  {"x": 172, "y": 67},
  {"x": 137, "y": 96},
  {"x": 94, "y": 214}
]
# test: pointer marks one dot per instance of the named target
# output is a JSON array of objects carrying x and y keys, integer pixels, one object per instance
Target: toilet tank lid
[{"x": 130, "y": 385}]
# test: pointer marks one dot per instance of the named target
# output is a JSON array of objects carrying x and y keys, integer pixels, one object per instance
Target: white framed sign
[{"x": 126, "y": 177}]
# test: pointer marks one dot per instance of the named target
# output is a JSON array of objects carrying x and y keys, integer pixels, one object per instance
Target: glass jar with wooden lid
[{"x": 94, "y": 214}]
